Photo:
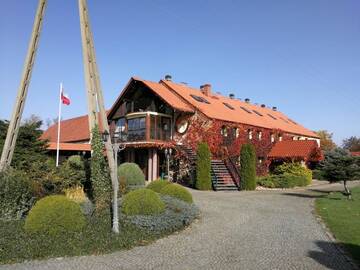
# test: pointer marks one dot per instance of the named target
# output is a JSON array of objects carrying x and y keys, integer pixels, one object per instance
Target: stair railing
[
  {"x": 234, "y": 171},
  {"x": 213, "y": 176}
]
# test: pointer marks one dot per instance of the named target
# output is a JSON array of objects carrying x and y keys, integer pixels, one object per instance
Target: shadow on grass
[
  {"x": 329, "y": 254},
  {"x": 305, "y": 194}
]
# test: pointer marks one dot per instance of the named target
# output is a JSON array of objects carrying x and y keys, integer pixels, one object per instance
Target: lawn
[
  {"x": 342, "y": 216},
  {"x": 96, "y": 238}
]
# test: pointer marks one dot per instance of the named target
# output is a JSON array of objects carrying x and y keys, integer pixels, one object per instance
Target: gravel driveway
[{"x": 237, "y": 230}]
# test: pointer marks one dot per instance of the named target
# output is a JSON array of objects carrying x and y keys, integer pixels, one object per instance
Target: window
[
  {"x": 200, "y": 99},
  {"x": 280, "y": 137},
  {"x": 250, "y": 134},
  {"x": 272, "y": 116},
  {"x": 259, "y": 135},
  {"x": 292, "y": 121},
  {"x": 236, "y": 132},
  {"x": 224, "y": 131},
  {"x": 229, "y": 106},
  {"x": 272, "y": 137},
  {"x": 244, "y": 109},
  {"x": 136, "y": 129},
  {"x": 259, "y": 114},
  {"x": 260, "y": 160}
]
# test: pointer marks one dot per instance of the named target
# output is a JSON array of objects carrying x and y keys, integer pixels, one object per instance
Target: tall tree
[
  {"x": 326, "y": 142},
  {"x": 339, "y": 165},
  {"x": 352, "y": 144}
]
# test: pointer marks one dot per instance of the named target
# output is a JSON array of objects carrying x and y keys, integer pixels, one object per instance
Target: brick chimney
[{"x": 206, "y": 89}]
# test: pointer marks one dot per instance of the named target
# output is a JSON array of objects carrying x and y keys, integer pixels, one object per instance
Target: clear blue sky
[{"x": 301, "y": 56}]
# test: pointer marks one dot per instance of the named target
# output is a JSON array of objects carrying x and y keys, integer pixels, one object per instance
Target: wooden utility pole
[
  {"x": 96, "y": 101},
  {"x": 13, "y": 129}
]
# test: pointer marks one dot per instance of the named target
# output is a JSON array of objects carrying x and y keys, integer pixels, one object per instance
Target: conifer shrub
[
  {"x": 142, "y": 202},
  {"x": 130, "y": 177},
  {"x": 248, "y": 167},
  {"x": 54, "y": 215},
  {"x": 177, "y": 191},
  {"x": 157, "y": 185},
  {"x": 15, "y": 194},
  {"x": 282, "y": 181},
  {"x": 203, "y": 167}
]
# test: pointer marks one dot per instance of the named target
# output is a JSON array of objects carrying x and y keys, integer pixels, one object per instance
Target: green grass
[
  {"x": 342, "y": 216},
  {"x": 96, "y": 238}
]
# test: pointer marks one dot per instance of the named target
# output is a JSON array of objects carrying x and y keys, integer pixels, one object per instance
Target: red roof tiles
[
  {"x": 355, "y": 154},
  {"x": 70, "y": 146},
  {"x": 304, "y": 149}
]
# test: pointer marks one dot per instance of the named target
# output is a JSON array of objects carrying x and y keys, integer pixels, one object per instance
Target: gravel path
[{"x": 237, "y": 230}]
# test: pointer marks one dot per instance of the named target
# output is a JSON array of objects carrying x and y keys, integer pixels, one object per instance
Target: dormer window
[{"x": 229, "y": 106}]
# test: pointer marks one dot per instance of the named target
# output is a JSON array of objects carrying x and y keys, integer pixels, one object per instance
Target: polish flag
[{"x": 65, "y": 98}]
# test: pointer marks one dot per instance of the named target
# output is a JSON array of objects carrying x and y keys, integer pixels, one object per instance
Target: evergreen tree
[
  {"x": 248, "y": 167},
  {"x": 203, "y": 167},
  {"x": 339, "y": 165},
  {"x": 100, "y": 178},
  {"x": 29, "y": 148}
]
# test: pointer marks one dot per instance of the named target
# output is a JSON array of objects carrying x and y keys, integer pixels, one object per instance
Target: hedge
[
  {"x": 282, "y": 181},
  {"x": 130, "y": 177},
  {"x": 294, "y": 168}
]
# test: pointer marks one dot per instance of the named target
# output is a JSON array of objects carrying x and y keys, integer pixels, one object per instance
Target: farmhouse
[{"x": 150, "y": 118}]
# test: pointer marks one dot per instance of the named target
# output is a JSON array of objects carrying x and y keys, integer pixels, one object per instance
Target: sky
[{"x": 301, "y": 56}]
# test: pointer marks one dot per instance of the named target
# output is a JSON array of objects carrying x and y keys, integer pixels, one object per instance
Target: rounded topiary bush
[
  {"x": 130, "y": 176},
  {"x": 142, "y": 202},
  {"x": 177, "y": 191},
  {"x": 157, "y": 185},
  {"x": 54, "y": 215}
]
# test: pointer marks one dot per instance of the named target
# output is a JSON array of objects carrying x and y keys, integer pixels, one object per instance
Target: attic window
[
  {"x": 292, "y": 121},
  {"x": 259, "y": 114},
  {"x": 284, "y": 120},
  {"x": 200, "y": 99},
  {"x": 272, "y": 116},
  {"x": 229, "y": 106},
  {"x": 244, "y": 109}
]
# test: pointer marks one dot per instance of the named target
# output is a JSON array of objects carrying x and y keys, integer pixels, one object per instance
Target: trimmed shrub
[
  {"x": 177, "y": 191},
  {"x": 15, "y": 194},
  {"x": 282, "y": 181},
  {"x": 177, "y": 215},
  {"x": 294, "y": 168},
  {"x": 130, "y": 177},
  {"x": 142, "y": 202},
  {"x": 203, "y": 167},
  {"x": 157, "y": 185},
  {"x": 54, "y": 215},
  {"x": 248, "y": 167}
]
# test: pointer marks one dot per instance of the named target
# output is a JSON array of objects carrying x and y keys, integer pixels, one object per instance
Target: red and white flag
[{"x": 65, "y": 98}]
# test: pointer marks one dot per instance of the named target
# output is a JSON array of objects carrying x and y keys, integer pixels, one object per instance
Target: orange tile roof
[
  {"x": 294, "y": 149},
  {"x": 71, "y": 130},
  {"x": 355, "y": 154},
  {"x": 216, "y": 109},
  {"x": 70, "y": 146}
]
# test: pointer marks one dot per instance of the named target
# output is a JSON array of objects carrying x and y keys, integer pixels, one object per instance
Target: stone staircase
[{"x": 221, "y": 177}]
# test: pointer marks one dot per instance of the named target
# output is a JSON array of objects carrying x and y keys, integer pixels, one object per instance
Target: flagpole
[{"x": 58, "y": 133}]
